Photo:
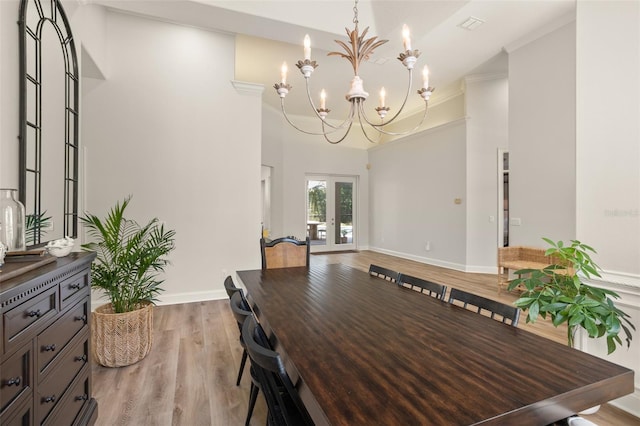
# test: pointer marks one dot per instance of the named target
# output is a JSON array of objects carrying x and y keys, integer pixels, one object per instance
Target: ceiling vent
[{"x": 471, "y": 23}]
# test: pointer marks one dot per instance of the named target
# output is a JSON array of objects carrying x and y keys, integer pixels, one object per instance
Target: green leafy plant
[
  {"x": 560, "y": 291},
  {"x": 129, "y": 257},
  {"x": 36, "y": 225}
]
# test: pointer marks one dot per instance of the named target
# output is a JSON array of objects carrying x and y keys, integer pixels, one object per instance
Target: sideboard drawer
[
  {"x": 52, "y": 340},
  {"x": 28, "y": 316},
  {"x": 51, "y": 390},
  {"x": 74, "y": 287},
  {"x": 16, "y": 377},
  {"x": 45, "y": 361},
  {"x": 23, "y": 416},
  {"x": 66, "y": 413}
]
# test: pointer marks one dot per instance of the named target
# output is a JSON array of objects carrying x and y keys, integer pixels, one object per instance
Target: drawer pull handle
[
  {"x": 82, "y": 397},
  {"x": 14, "y": 381},
  {"x": 35, "y": 313},
  {"x": 75, "y": 286},
  {"x": 82, "y": 318},
  {"x": 81, "y": 358},
  {"x": 49, "y": 348},
  {"x": 48, "y": 399}
]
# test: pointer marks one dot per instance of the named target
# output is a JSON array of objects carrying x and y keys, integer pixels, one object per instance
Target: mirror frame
[{"x": 53, "y": 13}]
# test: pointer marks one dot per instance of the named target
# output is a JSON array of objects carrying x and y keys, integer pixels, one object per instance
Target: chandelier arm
[
  {"x": 362, "y": 127},
  {"x": 302, "y": 130},
  {"x": 381, "y": 130},
  {"x": 347, "y": 121},
  {"x": 389, "y": 121},
  {"x": 346, "y": 133}
]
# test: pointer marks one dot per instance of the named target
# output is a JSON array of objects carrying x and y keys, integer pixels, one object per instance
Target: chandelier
[{"x": 357, "y": 50}]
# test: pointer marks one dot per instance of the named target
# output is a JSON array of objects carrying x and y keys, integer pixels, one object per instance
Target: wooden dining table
[{"x": 365, "y": 351}]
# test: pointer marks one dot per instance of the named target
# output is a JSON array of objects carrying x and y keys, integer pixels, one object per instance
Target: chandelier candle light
[{"x": 359, "y": 49}]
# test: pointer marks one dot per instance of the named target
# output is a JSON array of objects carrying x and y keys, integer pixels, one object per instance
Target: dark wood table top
[{"x": 368, "y": 352}]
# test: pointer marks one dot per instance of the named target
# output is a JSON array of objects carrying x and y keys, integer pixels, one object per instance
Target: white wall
[
  {"x": 168, "y": 127},
  {"x": 608, "y": 160},
  {"x": 91, "y": 26},
  {"x": 487, "y": 130},
  {"x": 272, "y": 136},
  {"x": 413, "y": 184},
  {"x": 542, "y": 139},
  {"x": 608, "y": 144},
  {"x": 415, "y": 180}
]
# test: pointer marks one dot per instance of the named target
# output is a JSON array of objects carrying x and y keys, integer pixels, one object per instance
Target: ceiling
[{"x": 270, "y": 32}]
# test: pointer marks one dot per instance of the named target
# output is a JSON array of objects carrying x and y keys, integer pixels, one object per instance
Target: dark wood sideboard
[{"x": 45, "y": 371}]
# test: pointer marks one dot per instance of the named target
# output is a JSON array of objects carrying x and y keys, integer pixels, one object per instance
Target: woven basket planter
[{"x": 121, "y": 339}]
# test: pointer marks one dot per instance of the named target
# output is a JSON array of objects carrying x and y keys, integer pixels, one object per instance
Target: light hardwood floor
[{"x": 189, "y": 377}]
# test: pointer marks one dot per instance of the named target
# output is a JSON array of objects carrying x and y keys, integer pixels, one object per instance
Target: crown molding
[
  {"x": 407, "y": 138},
  {"x": 476, "y": 78},
  {"x": 246, "y": 88}
]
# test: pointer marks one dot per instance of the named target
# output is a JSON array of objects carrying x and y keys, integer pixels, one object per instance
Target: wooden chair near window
[
  {"x": 498, "y": 311},
  {"x": 284, "y": 252},
  {"x": 384, "y": 273},
  {"x": 423, "y": 286},
  {"x": 283, "y": 401}
]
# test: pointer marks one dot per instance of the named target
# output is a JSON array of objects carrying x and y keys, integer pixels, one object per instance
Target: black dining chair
[
  {"x": 423, "y": 286},
  {"x": 230, "y": 286},
  {"x": 240, "y": 309},
  {"x": 384, "y": 273},
  {"x": 498, "y": 311},
  {"x": 232, "y": 289},
  {"x": 284, "y": 252},
  {"x": 241, "y": 312},
  {"x": 283, "y": 401}
]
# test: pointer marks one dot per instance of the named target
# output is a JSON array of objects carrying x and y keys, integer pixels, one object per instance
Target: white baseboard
[
  {"x": 197, "y": 296},
  {"x": 421, "y": 259},
  {"x": 171, "y": 299},
  {"x": 629, "y": 403}
]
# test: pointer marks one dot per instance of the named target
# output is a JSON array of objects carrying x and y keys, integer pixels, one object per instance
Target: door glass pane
[
  {"x": 317, "y": 211},
  {"x": 344, "y": 212}
]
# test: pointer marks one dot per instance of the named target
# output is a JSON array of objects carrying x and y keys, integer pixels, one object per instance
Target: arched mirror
[{"x": 48, "y": 122}]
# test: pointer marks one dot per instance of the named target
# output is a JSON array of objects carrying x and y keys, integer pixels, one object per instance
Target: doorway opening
[
  {"x": 503, "y": 198},
  {"x": 331, "y": 212}
]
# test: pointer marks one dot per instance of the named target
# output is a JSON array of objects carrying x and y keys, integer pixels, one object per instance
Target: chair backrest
[
  {"x": 384, "y": 273},
  {"x": 284, "y": 253},
  {"x": 240, "y": 308},
  {"x": 285, "y": 407},
  {"x": 230, "y": 287},
  {"x": 508, "y": 314},
  {"x": 423, "y": 286}
]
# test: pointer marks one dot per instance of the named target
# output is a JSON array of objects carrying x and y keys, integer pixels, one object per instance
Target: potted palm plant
[
  {"x": 129, "y": 259},
  {"x": 561, "y": 291}
]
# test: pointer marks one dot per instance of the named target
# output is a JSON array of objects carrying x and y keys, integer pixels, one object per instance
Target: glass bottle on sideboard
[{"x": 12, "y": 220}]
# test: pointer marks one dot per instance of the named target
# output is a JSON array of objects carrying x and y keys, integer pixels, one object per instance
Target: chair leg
[
  {"x": 253, "y": 396},
  {"x": 242, "y": 363}
]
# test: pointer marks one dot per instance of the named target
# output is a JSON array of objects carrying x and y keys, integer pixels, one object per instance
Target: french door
[{"x": 331, "y": 212}]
